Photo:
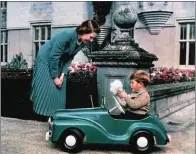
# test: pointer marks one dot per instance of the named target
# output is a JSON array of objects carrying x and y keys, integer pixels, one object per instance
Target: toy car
[{"x": 71, "y": 128}]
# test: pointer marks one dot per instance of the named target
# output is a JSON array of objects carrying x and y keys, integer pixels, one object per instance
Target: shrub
[
  {"x": 82, "y": 79},
  {"x": 162, "y": 75},
  {"x": 82, "y": 72},
  {"x": 101, "y": 9},
  {"x": 18, "y": 62}
]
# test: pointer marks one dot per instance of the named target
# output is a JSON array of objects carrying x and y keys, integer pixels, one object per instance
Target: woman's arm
[
  {"x": 66, "y": 67},
  {"x": 58, "y": 49}
]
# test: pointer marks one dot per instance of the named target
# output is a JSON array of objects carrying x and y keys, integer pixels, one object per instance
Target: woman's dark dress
[{"x": 53, "y": 58}]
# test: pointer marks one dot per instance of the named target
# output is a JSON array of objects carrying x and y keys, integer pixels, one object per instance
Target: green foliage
[
  {"x": 162, "y": 75},
  {"x": 101, "y": 9},
  {"x": 18, "y": 62}
]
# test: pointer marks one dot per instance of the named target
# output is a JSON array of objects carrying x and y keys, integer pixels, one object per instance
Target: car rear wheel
[
  {"x": 71, "y": 141},
  {"x": 142, "y": 142}
]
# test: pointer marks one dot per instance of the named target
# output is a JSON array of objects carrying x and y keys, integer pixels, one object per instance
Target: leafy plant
[
  {"x": 82, "y": 72},
  {"x": 101, "y": 9},
  {"x": 16, "y": 69},
  {"x": 18, "y": 62},
  {"x": 162, "y": 75},
  {"x": 77, "y": 67}
]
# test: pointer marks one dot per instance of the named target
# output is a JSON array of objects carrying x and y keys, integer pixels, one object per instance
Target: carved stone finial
[
  {"x": 155, "y": 20},
  {"x": 125, "y": 17},
  {"x": 124, "y": 51}
]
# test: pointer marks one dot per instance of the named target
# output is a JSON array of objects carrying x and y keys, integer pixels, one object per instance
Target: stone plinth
[{"x": 119, "y": 59}]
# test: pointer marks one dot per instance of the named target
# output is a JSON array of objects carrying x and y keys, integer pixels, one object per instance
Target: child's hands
[{"x": 121, "y": 94}]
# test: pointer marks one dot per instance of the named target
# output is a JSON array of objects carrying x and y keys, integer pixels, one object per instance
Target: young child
[{"x": 138, "y": 102}]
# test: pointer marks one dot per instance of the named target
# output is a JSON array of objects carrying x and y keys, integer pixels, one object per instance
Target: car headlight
[
  {"x": 50, "y": 123},
  {"x": 49, "y": 120},
  {"x": 169, "y": 138}
]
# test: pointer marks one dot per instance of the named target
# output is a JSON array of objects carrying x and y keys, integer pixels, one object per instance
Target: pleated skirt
[{"x": 46, "y": 97}]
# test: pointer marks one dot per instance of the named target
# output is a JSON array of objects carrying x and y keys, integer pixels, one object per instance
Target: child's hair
[
  {"x": 87, "y": 27},
  {"x": 141, "y": 76}
]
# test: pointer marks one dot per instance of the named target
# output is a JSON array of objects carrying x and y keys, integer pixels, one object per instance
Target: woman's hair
[
  {"x": 141, "y": 76},
  {"x": 88, "y": 26}
]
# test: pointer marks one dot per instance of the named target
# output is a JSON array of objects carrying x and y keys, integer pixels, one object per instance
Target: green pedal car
[{"x": 71, "y": 128}]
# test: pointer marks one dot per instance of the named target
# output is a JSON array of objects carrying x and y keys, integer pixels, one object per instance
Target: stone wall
[
  {"x": 167, "y": 99},
  {"x": 22, "y": 41},
  {"x": 166, "y": 44},
  {"x": 22, "y": 14}
]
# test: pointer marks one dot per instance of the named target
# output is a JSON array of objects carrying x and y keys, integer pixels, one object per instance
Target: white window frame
[
  {"x": 3, "y": 6},
  {"x": 4, "y": 10},
  {"x": 39, "y": 36},
  {"x": 185, "y": 21},
  {"x": 4, "y": 43}
]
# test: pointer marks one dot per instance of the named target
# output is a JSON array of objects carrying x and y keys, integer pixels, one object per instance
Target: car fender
[
  {"x": 159, "y": 135},
  {"x": 94, "y": 132}
]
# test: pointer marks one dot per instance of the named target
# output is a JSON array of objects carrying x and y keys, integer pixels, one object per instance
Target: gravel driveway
[{"x": 28, "y": 137}]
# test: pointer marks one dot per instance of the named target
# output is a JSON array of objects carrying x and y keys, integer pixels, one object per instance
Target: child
[{"x": 137, "y": 104}]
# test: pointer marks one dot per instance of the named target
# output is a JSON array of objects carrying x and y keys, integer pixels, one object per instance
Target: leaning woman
[{"x": 51, "y": 66}]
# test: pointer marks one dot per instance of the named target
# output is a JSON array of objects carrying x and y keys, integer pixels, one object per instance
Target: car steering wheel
[{"x": 118, "y": 106}]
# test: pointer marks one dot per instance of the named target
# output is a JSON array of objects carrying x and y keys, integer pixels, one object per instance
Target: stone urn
[
  {"x": 118, "y": 59},
  {"x": 125, "y": 17}
]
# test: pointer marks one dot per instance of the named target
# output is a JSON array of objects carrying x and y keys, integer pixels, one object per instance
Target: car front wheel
[
  {"x": 142, "y": 142},
  {"x": 71, "y": 141}
]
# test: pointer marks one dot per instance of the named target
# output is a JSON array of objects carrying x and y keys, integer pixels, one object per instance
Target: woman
[{"x": 51, "y": 66}]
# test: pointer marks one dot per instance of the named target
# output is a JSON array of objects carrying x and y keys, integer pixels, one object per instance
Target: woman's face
[{"x": 88, "y": 37}]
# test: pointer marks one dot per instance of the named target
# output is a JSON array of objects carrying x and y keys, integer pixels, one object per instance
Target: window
[
  {"x": 3, "y": 14},
  {"x": 3, "y": 5},
  {"x": 187, "y": 44},
  {"x": 41, "y": 35},
  {"x": 4, "y": 47}
]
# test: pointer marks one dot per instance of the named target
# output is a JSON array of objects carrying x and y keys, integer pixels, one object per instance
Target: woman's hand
[
  {"x": 122, "y": 94},
  {"x": 58, "y": 82}
]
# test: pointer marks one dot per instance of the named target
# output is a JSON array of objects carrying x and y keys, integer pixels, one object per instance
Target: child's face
[{"x": 135, "y": 86}]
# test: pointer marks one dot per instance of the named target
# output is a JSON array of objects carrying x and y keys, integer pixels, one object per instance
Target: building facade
[{"x": 28, "y": 25}]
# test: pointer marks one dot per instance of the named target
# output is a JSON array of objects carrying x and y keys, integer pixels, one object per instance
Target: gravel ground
[{"x": 28, "y": 137}]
